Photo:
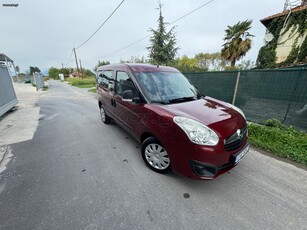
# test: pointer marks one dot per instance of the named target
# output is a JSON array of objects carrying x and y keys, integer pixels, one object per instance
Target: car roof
[{"x": 137, "y": 67}]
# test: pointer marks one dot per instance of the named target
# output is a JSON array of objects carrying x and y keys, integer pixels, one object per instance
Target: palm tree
[{"x": 238, "y": 41}]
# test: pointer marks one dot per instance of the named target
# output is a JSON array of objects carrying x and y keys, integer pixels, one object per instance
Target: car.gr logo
[{"x": 10, "y": 5}]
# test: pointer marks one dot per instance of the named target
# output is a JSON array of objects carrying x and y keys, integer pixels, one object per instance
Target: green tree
[
  {"x": 238, "y": 41},
  {"x": 34, "y": 69},
  {"x": 88, "y": 73},
  {"x": 163, "y": 44},
  {"x": 101, "y": 63},
  {"x": 211, "y": 61},
  {"x": 135, "y": 59},
  {"x": 186, "y": 64},
  {"x": 246, "y": 65},
  {"x": 66, "y": 71},
  {"x": 54, "y": 73}
]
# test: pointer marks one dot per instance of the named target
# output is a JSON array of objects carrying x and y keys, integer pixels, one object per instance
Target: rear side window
[{"x": 105, "y": 79}]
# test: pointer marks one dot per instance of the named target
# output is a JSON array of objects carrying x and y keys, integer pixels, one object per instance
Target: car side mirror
[{"x": 128, "y": 96}]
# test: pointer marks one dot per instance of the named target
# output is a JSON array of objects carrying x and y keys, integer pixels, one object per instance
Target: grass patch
[
  {"x": 82, "y": 83},
  {"x": 84, "y": 86},
  {"x": 279, "y": 139},
  {"x": 92, "y": 90}
]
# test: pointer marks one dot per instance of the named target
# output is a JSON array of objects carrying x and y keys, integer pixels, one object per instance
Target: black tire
[
  {"x": 104, "y": 117},
  {"x": 155, "y": 156}
]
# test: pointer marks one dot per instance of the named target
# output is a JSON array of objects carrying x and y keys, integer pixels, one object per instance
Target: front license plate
[{"x": 241, "y": 154}]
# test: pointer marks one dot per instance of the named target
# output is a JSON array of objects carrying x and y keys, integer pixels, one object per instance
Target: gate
[
  {"x": 39, "y": 81},
  {"x": 8, "y": 97}
]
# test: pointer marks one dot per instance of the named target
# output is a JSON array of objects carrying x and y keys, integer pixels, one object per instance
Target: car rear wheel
[
  {"x": 155, "y": 156},
  {"x": 104, "y": 117}
]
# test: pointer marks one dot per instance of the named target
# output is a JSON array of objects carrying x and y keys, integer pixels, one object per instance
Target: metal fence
[
  {"x": 262, "y": 94},
  {"x": 8, "y": 97},
  {"x": 38, "y": 80}
]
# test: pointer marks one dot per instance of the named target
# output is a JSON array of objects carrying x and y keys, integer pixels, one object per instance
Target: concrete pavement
[{"x": 21, "y": 122}]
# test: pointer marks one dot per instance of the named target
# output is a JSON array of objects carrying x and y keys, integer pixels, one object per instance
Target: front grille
[{"x": 235, "y": 140}]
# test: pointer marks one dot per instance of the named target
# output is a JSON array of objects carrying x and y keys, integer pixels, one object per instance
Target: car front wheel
[
  {"x": 155, "y": 156},
  {"x": 104, "y": 117}
]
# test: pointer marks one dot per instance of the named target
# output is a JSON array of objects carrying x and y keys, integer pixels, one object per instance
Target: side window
[
  {"x": 123, "y": 83},
  {"x": 105, "y": 79}
]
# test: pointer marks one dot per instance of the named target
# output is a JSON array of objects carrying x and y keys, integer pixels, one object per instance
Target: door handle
[{"x": 113, "y": 102}]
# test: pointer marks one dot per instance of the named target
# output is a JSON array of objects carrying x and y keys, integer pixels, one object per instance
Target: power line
[
  {"x": 101, "y": 25},
  {"x": 89, "y": 66},
  {"x": 141, "y": 39},
  {"x": 191, "y": 12},
  {"x": 117, "y": 51},
  {"x": 72, "y": 51}
]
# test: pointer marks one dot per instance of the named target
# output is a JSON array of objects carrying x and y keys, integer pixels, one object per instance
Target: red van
[{"x": 179, "y": 129}]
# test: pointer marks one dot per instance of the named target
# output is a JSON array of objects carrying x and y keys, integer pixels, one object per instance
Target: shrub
[{"x": 283, "y": 141}]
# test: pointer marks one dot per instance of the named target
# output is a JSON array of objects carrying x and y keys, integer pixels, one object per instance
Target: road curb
[{"x": 3, "y": 151}]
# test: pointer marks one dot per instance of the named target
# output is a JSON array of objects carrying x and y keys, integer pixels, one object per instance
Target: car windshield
[{"x": 166, "y": 87}]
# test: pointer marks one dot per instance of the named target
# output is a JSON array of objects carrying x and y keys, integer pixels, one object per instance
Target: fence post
[{"x": 236, "y": 89}]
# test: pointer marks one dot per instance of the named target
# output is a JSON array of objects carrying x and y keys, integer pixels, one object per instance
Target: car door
[
  {"x": 105, "y": 90},
  {"x": 127, "y": 110}
]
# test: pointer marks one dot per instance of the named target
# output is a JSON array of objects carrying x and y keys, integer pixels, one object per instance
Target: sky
[{"x": 43, "y": 33}]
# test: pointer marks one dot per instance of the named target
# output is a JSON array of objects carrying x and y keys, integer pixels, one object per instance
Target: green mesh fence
[
  {"x": 220, "y": 85},
  {"x": 261, "y": 94}
]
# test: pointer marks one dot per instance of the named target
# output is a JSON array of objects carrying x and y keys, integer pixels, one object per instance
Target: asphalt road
[{"x": 77, "y": 173}]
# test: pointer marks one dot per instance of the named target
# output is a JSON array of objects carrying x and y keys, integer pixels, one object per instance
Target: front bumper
[{"x": 210, "y": 171}]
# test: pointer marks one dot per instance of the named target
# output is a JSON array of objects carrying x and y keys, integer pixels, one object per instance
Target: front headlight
[
  {"x": 197, "y": 132},
  {"x": 237, "y": 109}
]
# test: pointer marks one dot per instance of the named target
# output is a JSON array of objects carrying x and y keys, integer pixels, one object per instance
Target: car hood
[{"x": 209, "y": 111}]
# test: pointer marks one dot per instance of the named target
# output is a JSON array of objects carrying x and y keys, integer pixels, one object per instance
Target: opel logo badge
[{"x": 240, "y": 134}]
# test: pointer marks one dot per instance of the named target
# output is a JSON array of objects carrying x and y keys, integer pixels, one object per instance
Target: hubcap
[{"x": 157, "y": 156}]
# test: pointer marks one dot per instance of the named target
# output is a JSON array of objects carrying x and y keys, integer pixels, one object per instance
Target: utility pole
[
  {"x": 81, "y": 68},
  {"x": 77, "y": 62}
]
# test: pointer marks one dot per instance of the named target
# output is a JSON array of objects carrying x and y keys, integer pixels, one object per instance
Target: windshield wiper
[
  {"x": 183, "y": 99},
  {"x": 160, "y": 102}
]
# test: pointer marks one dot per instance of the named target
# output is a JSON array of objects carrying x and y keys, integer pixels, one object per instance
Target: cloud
[{"x": 43, "y": 33}]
